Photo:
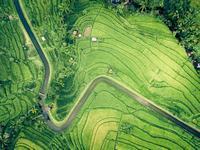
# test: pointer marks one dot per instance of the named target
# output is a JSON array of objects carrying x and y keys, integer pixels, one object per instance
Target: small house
[
  {"x": 10, "y": 17},
  {"x": 43, "y": 38},
  {"x": 94, "y": 39},
  {"x": 198, "y": 66},
  {"x": 75, "y": 33}
]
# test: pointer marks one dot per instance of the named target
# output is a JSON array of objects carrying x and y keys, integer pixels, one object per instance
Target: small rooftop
[
  {"x": 43, "y": 38},
  {"x": 10, "y": 17},
  {"x": 94, "y": 39},
  {"x": 198, "y": 66},
  {"x": 75, "y": 32}
]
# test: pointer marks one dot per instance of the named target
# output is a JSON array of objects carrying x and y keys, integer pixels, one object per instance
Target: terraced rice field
[
  {"x": 34, "y": 138},
  {"x": 140, "y": 52},
  {"x": 112, "y": 120},
  {"x": 20, "y": 66}
]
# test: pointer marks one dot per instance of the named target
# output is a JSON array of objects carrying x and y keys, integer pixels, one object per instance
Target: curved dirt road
[{"x": 59, "y": 126}]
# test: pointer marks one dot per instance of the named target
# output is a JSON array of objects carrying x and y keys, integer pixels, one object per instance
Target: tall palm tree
[
  {"x": 4, "y": 140},
  {"x": 34, "y": 110}
]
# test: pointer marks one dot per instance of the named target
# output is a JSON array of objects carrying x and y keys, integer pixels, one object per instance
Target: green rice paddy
[
  {"x": 109, "y": 120},
  {"x": 137, "y": 50}
]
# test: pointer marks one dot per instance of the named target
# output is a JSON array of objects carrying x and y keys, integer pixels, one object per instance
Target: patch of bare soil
[{"x": 87, "y": 31}]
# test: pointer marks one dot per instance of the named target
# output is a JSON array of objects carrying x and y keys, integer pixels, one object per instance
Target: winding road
[{"x": 61, "y": 125}]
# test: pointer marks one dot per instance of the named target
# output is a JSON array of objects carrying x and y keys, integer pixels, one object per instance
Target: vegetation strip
[{"x": 88, "y": 90}]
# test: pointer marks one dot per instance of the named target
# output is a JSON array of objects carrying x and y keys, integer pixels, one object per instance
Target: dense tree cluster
[
  {"x": 183, "y": 19},
  {"x": 66, "y": 58},
  {"x": 147, "y": 5}
]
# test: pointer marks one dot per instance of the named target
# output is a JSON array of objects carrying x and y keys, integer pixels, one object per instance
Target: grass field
[{"x": 20, "y": 75}]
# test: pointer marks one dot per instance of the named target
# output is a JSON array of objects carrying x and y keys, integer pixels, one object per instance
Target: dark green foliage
[
  {"x": 147, "y": 5},
  {"x": 65, "y": 7},
  {"x": 183, "y": 19},
  {"x": 120, "y": 9},
  {"x": 63, "y": 85},
  {"x": 9, "y": 131},
  {"x": 126, "y": 127},
  {"x": 174, "y": 11},
  {"x": 30, "y": 86}
]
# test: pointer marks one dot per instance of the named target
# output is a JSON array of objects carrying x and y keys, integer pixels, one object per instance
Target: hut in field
[
  {"x": 43, "y": 38},
  {"x": 75, "y": 32},
  {"x": 198, "y": 66},
  {"x": 94, "y": 39}
]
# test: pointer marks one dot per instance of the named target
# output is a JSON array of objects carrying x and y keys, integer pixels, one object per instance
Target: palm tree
[
  {"x": 4, "y": 140},
  {"x": 144, "y": 5},
  {"x": 39, "y": 125},
  {"x": 120, "y": 9},
  {"x": 34, "y": 110}
]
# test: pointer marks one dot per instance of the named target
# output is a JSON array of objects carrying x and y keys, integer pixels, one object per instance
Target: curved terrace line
[{"x": 61, "y": 125}]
